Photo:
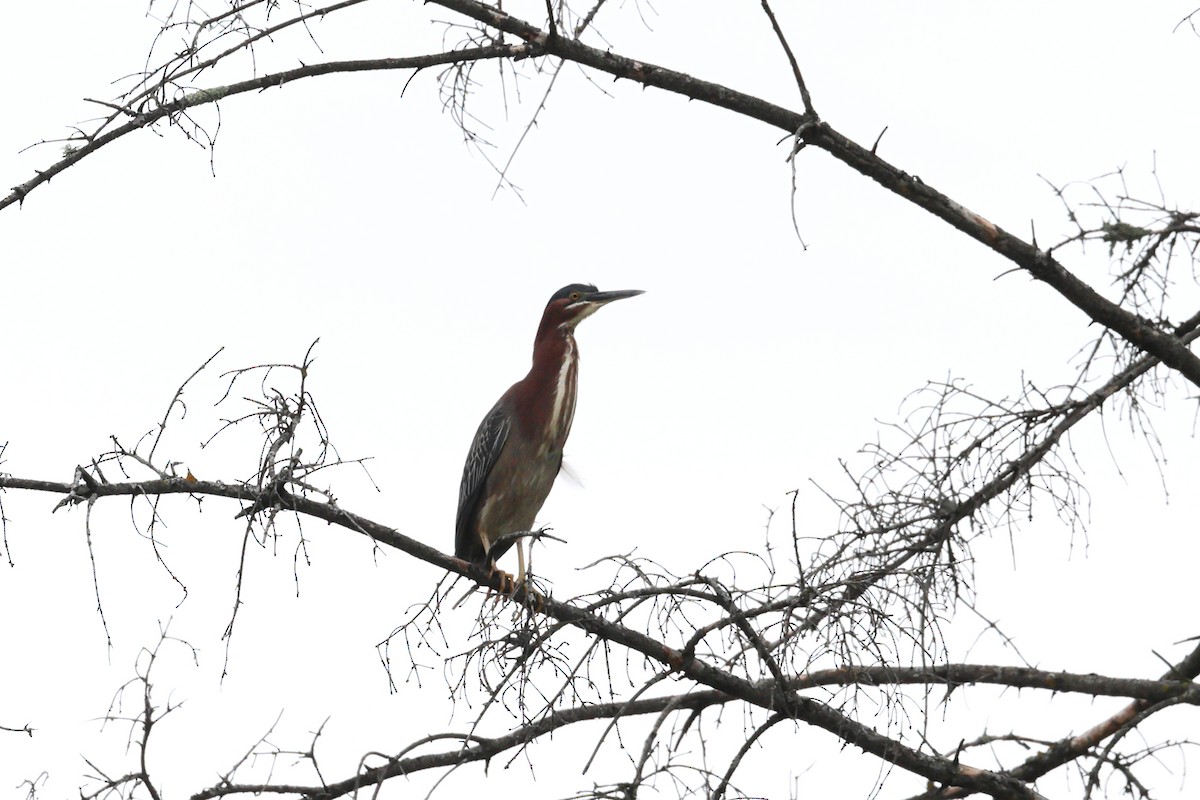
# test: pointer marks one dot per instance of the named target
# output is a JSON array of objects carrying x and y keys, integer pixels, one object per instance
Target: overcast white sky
[{"x": 344, "y": 210}]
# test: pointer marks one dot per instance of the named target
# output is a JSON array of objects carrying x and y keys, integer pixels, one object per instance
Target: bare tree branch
[
  {"x": 805, "y": 97},
  {"x": 767, "y": 694},
  {"x": 83, "y": 145},
  {"x": 803, "y": 633},
  {"x": 1038, "y": 263}
]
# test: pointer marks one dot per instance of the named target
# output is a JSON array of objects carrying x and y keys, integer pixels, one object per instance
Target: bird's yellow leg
[
  {"x": 530, "y": 592},
  {"x": 520, "y": 581},
  {"x": 509, "y": 585}
]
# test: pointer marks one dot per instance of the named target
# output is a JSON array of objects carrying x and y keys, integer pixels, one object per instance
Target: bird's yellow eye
[{"x": 574, "y": 295}]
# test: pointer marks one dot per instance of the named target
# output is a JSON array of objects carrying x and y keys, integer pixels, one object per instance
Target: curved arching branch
[
  {"x": 139, "y": 120},
  {"x": 809, "y": 130}
]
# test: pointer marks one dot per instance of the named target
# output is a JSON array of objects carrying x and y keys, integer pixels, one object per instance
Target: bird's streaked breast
[{"x": 563, "y": 409}]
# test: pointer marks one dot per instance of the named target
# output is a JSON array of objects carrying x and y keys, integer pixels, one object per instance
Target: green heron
[{"x": 518, "y": 449}]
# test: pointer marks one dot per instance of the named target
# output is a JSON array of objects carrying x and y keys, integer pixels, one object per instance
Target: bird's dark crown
[{"x": 565, "y": 292}]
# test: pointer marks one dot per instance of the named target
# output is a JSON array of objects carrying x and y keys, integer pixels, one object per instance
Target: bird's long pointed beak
[{"x": 600, "y": 298}]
